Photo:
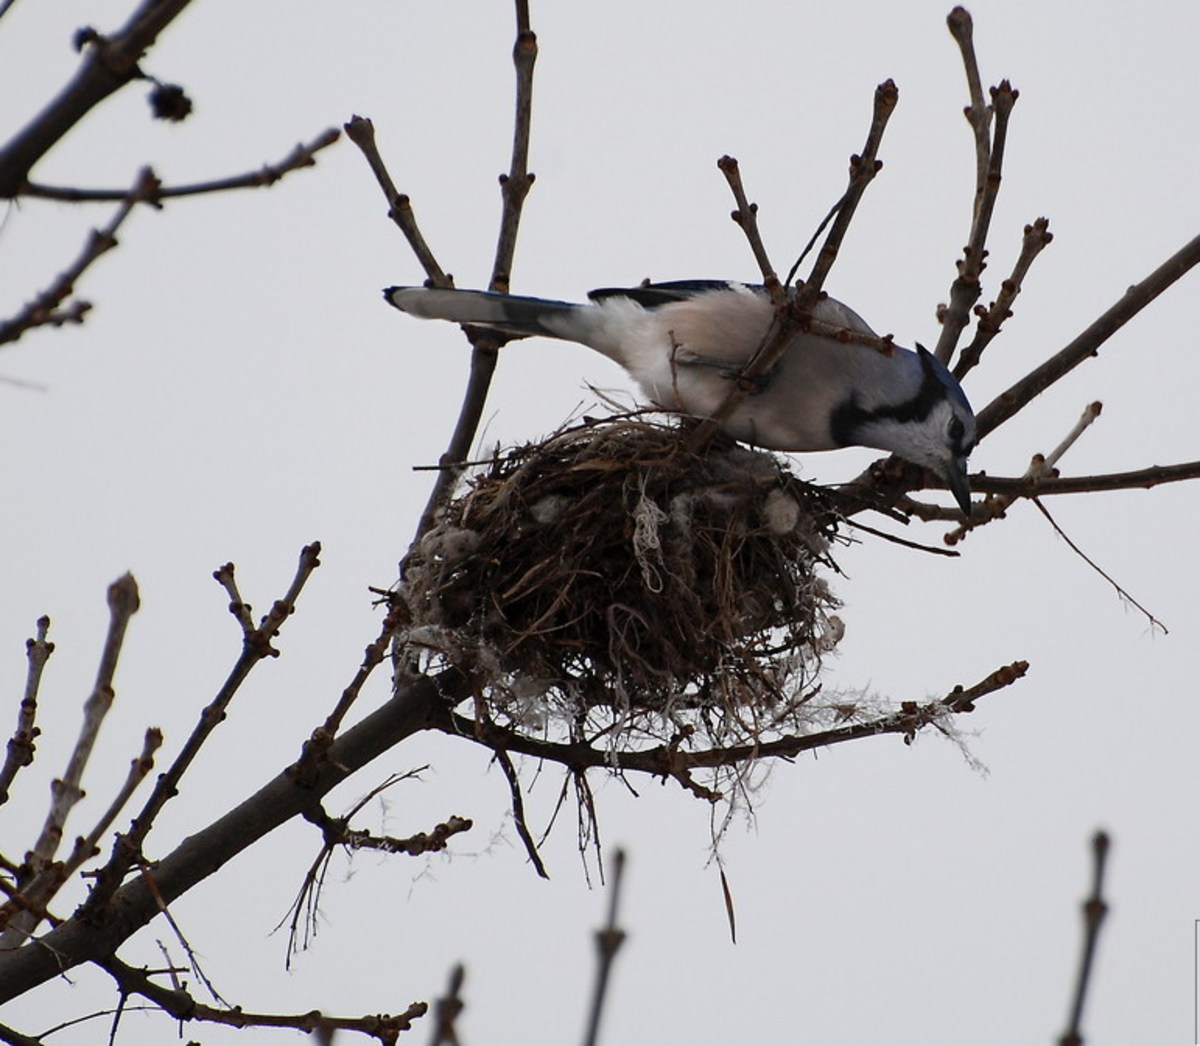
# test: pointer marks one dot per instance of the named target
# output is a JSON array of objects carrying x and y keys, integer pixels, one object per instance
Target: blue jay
[{"x": 684, "y": 342}]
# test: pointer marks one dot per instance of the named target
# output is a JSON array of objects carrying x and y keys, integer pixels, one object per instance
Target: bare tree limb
[
  {"x": 1036, "y": 236},
  {"x": 21, "y": 748},
  {"x": 670, "y": 761},
  {"x": 39, "y": 884},
  {"x": 1088, "y": 342},
  {"x": 181, "y": 1005},
  {"x": 46, "y": 309},
  {"x": 746, "y": 216},
  {"x": 1094, "y": 911},
  {"x": 361, "y": 131},
  {"x": 303, "y": 155},
  {"x": 109, "y": 63}
]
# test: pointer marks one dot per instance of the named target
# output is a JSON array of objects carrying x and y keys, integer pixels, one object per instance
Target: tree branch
[
  {"x": 46, "y": 307},
  {"x": 672, "y": 761},
  {"x": 44, "y": 876},
  {"x": 180, "y": 1004},
  {"x": 303, "y": 155},
  {"x": 1088, "y": 342},
  {"x": 109, "y": 63},
  {"x": 21, "y": 747}
]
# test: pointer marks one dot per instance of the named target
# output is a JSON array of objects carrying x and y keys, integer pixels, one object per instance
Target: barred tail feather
[{"x": 503, "y": 312}]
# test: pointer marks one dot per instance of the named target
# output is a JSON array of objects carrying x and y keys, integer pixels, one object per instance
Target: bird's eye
[{"x": 955, "y": 431}]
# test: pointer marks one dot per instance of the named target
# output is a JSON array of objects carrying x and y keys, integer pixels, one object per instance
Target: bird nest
[{"x": 612, "y": 581}]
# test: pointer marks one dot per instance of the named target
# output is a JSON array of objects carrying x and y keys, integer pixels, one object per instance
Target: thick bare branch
[{"x": 81, "y": 939}]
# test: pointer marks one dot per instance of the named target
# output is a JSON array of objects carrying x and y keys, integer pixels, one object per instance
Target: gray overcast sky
[{"x": 240, "y": 389}]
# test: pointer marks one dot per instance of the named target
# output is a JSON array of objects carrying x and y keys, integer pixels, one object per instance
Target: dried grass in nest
[{"x": 611, "y": 580}]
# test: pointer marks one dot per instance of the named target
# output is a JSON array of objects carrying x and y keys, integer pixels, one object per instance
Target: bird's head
[{"x": 926, "y": 420}]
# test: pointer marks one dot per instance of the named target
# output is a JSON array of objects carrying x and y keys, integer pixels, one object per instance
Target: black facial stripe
[{"x": 849, "y": 416}]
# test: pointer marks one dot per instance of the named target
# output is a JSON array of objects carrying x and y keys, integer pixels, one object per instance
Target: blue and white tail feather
[{"x": 683, "y": 342}]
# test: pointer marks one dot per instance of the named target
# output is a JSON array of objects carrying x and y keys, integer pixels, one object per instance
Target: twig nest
[{"x": 610, "y": 571}]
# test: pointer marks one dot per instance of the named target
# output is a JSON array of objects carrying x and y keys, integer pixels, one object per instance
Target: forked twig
[
  {"x": 794, "y": 317},
  {"x": 46, "y": 308}
]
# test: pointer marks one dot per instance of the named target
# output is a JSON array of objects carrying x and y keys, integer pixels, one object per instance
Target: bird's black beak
[{"x": 955, "y": 475}]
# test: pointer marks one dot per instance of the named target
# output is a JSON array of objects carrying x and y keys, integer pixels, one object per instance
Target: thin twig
[
  {"x": 303, "y": 155},
  {"x": 1088, "y": 342},
  {"x": 361, "y": 131},
  {"x": 45, "y": 876},
  {"x": 46, "y": 308},
  {"x": 316, "y": 747},
  {"x": 746, "y": 217},
  {"x": 1036, "y": 236},
  {"x": 518, "y": 811},
  {"x": 1041, "y": 466},
  {"x": 1094, "y": 911},
  {"x": 21, "y": 748},
  {"x": 86, "y": 847},
  {"x": 515, "y": 185},
  {"x": 1121, "y": 592},
  {"x": 183, "y": 1007},
  {"x": 966, "y": 288},
  {"x": 608, "y": 943}
]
